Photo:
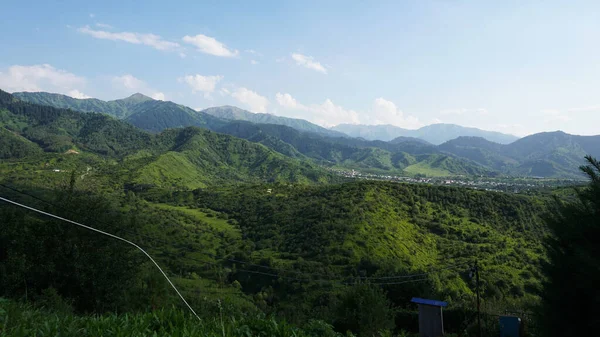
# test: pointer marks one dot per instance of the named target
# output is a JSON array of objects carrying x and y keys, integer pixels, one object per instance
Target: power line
[
  {"x": 110, "y": 235},
  {"x": 331, "y": 280}
]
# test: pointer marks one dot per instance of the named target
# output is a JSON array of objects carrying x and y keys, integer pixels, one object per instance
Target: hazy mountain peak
[{"x": 135, "y": 98}]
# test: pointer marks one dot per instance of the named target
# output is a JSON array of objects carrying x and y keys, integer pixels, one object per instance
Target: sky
[{"x": 517, "y": 67}]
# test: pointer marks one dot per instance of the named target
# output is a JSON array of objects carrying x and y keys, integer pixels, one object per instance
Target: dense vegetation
[
  {"x": 553, "y": 154},
  {"x": 184, "y": 158},
  {"x": 254, "y": 238},
  {"x": 574, "y": 271}
]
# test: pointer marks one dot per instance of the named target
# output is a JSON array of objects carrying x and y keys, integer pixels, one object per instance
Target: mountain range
[
  {"x": 188, "y": 157},
  {"x": 555, "y": 154},
  {"x": 434, "y": 134}
]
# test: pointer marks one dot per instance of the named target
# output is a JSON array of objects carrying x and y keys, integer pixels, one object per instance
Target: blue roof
[{"x": 429, "y": 302}]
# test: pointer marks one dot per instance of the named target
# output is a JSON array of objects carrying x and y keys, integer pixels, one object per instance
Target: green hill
[
  {"x": 546, "y": 154},
  {"x": 184, "y": 158}
]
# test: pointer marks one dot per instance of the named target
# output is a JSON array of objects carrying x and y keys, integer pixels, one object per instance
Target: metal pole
[{"x": 478, "y": 307}]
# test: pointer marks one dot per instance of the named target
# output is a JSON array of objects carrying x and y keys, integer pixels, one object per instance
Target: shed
[
  {"x": 431, "y": 320},
  {"x": 510, "y": 326}
]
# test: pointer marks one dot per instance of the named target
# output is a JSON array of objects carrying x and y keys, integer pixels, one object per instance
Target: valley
[{"x": 264, "y": 218}]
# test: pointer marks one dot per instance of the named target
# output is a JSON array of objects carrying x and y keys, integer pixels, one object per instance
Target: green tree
[
  {"x": 571, "y": 294},
  {"x": 365, "y": 310}
]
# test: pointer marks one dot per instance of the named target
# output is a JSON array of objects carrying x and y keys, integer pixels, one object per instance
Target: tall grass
[{"x": 17, "y": 319}]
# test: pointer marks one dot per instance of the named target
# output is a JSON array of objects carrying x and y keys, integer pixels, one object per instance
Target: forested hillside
[
  {"x": 185, "y": 158},
  {"x": 547, "y": 154}
]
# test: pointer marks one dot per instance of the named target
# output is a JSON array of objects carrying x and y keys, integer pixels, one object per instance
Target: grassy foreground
[{"x": 18, "y": 319}]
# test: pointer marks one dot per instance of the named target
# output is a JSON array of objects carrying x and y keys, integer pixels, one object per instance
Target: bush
[{"x": 364, "y": 309}]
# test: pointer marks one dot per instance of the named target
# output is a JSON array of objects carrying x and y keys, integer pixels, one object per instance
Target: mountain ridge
[{"x": 435, "y": 133}]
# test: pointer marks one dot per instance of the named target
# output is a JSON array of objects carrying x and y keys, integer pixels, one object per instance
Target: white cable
[{"x": 112, "y": 236}]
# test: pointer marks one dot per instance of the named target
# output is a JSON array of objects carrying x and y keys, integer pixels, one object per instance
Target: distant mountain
[
  {"x": 118, "y": 108},
  {"x": 434, "y": 134},
  {"x": 464, "y": 151},
  {"x": 410, "y": 156},
  {"x": 186, "y": 157},
  {"x": 372, "y": 132},
  {"x": 137, "y": 109},
  {"x": 234, "y": 113},
  {"x": 546, "y": 154}
]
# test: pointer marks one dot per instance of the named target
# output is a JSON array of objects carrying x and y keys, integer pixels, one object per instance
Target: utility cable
[{"x": 110, "y": 235}]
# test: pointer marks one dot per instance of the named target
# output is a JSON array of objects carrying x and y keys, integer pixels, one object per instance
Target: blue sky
[{"x": 513, "y": 66}]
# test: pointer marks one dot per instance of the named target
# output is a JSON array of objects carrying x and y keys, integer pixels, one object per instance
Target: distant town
[{"x": 499, "y": 184}]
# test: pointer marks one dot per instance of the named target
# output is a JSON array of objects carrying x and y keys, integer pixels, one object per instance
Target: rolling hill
[
  {"x": 434, "y": 134},
  {"x": 546, "y": 154},
  {"x": 186, "y": 157},
  {"x": 465, "y": 151}
]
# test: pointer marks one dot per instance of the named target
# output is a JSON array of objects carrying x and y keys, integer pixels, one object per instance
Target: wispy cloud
[
  {"x": 308, "y": 62},
  {"x": 42, "y": 77},
  {"x": 328, "y": 113},
  {"x": 256, "y": 102},
  {"x": 199, "y": 83},
  {"x": 152, "y": 40},
  {"x": 104, "y": 25},
  {"x": 131, "y": 84},
  {"x": 254, "y": 62},
  {"x": 209, "y": 45}
]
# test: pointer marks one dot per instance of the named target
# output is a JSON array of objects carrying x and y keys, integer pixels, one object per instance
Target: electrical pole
[{"x": 477, "y": 289}]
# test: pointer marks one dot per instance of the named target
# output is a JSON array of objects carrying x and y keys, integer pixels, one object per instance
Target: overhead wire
[
  {"x": 109, "y": 235},
  {"x": 280, "y": 270}
]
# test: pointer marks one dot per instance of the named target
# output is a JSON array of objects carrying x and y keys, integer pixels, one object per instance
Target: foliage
[
  {"x": 365, "y": 309},
  {"x": 18, "y": 320},
  {"x": 573, "y": 272}
]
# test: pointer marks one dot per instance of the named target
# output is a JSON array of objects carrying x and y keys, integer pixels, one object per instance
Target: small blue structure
[
  {"x": 510, "y": 326},
  {"x": 431, "y": 320}
]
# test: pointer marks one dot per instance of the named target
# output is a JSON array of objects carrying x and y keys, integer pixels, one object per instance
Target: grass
[
  {"x": 18, "y": 320},
  {"x": 212, "y": 218},
  {"x": 426, "y": 169}
]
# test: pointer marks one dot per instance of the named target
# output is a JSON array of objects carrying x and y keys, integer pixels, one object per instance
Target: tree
[
  {"x": 571, "y": 290},
  {"x": 365, "y": 310}
]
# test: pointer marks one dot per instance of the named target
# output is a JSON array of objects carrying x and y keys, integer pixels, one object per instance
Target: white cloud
[
  {"x": 151, "y": 40},
  {"x": 308, "y": 62},
  {"x": 158, "y": 96},
  {"x": 326, "y": 114},
  {"x": 254, "y": 62},
  {"x": 77, "y": 94},
  {"x": 131, "y": 84},
  {"x": 224, "y": 92},
  {"x": 92, "y": 15},
  {"x": 129, "y": 81},
  {"x": 256, "y": 102},
  {"x": 330, "y": 114},
  {"x": 182, "y": 55},
  {"x": 104, "y": 25},
  {"x": 209, "y": 45},
  {"x": 386, "y": 112},
  {"x": 41, "y": 77},
  {"x": 205, "y": 84}
]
